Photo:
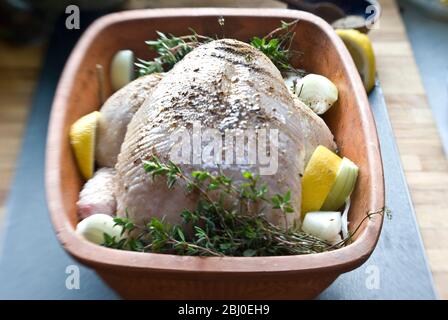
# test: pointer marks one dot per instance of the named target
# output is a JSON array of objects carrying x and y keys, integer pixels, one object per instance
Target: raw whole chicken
[
  {"x": 116, "y": 114},
  {"x": 98, "y": 194},
  {"x": 225, "y": 85}
]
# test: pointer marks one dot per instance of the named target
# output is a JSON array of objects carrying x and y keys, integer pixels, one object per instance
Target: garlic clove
[
  {"x": 94, "y": 227},
  {"x": 122, "y": 69},
  {"x": 325, "y": 225}
]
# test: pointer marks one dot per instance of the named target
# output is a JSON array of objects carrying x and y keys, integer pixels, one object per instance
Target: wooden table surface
[{"x": 425, "y": 164}]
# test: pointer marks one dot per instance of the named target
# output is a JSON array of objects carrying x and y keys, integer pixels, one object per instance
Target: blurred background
[{"x": 411, "y": 46}]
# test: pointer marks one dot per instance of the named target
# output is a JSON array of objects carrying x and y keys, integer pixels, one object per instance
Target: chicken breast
[
  {"x": 98, "y": 194},
  {"x": 314, "y": 129},
  {"x": 225, "y": 87},
  {"x": 116, "y": 113}
]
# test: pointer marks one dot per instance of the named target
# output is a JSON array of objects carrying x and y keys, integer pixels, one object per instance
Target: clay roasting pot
[{"x": 162, "y": 276}]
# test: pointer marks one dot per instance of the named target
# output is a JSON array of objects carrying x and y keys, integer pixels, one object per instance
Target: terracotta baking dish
[{"x": 158, "y": 276}]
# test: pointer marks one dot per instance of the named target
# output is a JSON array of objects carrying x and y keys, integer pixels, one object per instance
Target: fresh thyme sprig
[
  {"x": 277, "y": 46},
  {"x": 171, "y": 49},
  {"x": 217, "y": 227}
]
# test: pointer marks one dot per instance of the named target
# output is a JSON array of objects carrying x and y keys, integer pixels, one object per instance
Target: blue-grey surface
[
  {"x": 33, "y": 264},
  {"x": 429, "y": 40}
]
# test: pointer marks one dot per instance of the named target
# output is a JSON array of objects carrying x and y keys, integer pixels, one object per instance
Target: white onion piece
[
  {"x": 122, "y": 69},
  {"x": 342, "y": 187},
  {"x": 325, "y": 225},
  {"x": 344, "y": 219},
  {"x": 94, "y": 227},
  {"x": 317, "y": 92}
]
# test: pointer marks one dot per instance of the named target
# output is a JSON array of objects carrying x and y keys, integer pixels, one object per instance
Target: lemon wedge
[
  {"x": 318, "y": 179},
  {"x": 361, "y": 50},
  {"x": 82, "y": 139}
]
